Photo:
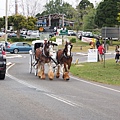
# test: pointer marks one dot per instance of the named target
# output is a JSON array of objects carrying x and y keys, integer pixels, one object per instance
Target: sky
[{"x": 11, "y": 3}]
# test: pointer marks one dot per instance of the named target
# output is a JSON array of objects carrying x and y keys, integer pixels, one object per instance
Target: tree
[
  {"x": 59, "y": 7},
  {"x": 83, "y": 8},
  {"x": 2, "y": 22},
  {"x": 88, "y": 20},
  {"x": 18, "y": 22},
  {"x": 31, "y": 23},
  {"x": 106, "y": 13}
]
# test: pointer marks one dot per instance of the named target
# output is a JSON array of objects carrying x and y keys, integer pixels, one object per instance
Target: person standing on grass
[
  {"x": 101, "y": 50},
  {"x": 97, "y": 43},
  {"x": 117, "y": 48},
  {"x": 117, "y": 56}
]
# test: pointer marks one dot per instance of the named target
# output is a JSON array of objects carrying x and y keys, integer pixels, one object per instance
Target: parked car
[
  {"x": 19, "y": 47},
  {"x": 12, "y": 35},
  {"x": 71, "y": 33},
  {"x": 2, "y": 34},
  {"x": 2, "y": 62}
]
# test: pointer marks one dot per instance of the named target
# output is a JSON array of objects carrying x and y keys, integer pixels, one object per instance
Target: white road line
[
  {"x": 63, "y": 100},
  {"x": 54, "y": 96},
  {"x": 85, "y": 54},
  {"x": 81, "y": 53},
  {"x": 14, "y": 56},
  {"x": 38, "y": 89},
  {"x": 96, "y": 84}
]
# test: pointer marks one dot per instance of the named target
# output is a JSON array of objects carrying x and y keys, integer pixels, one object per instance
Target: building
[{"x": 53, "y": 21}]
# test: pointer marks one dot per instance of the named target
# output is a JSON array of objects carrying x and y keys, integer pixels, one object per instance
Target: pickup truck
[{"x": 2, "y": 62}]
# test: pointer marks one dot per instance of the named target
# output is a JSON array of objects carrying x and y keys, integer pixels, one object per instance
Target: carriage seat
[{"x": 38, "y": 45}]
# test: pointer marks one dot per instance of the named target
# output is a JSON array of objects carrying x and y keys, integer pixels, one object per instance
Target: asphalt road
[{"x": 24, "y": 96}]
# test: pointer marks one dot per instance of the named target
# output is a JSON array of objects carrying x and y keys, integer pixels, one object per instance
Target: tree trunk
[{"x": 18, "y": 33}]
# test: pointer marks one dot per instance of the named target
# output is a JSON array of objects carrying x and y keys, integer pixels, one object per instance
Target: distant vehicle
[
  {"x": 12, "y": 35},
  {"x": 79, "y": 34},
  {"x": 19, "y": 47},
  {"x": 88, "y": 34},
  {"x": 35, "y": 33},
  {"x": 24, "y": 32},
  {"x": 2, "y": 62},
  {"x": 52, "y": 34},
  {"x": 29, "y": 32},
  {"x": 1, "y": 34},
  {"x": 71, "y": 33}
]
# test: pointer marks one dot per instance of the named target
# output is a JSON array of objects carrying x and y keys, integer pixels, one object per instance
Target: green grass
[{"x": 108, "y": 73}]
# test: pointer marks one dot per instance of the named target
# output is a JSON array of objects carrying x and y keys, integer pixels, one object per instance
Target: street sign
[
  {"x": 92, "y": 55},
  {"x": 63, "y": 32},
  {"x": 41, "y": 29}
]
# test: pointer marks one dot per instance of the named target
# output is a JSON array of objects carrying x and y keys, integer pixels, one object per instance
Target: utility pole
[
  {"x": 16, "y": 7},
  {"x": 6, "y": 20}
]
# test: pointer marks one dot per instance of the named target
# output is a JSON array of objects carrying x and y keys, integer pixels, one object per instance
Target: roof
[
  {"x": 42, "y": 41},
  {"x": 37, "y": 41}
]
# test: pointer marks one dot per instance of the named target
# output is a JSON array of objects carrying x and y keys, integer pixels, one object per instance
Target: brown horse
[
  {"x": 42, "y": 57},
  {"x": 64, "y": 60}
]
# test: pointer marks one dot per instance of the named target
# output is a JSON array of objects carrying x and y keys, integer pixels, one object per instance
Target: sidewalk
[{"x": 80, "y": 57}]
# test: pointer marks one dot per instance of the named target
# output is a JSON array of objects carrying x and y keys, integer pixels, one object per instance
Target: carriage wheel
[{"x": 30, "y": 64}]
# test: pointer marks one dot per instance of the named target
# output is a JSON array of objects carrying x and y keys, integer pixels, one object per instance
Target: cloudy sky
[{"x": 11, "y": 5}]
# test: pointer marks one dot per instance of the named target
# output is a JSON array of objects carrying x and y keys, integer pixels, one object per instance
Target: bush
[
  {"x": 21, "y": 39},
  {"x": 14, "y": 39},
  {"x": 73, "y": 40},
  {"x": 53, "y": 39}
]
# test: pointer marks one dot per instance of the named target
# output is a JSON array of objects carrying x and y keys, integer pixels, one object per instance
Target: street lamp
[{"x": 6, "y": 20}]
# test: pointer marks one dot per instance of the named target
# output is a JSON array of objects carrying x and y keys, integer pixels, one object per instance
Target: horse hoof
[
  {"x": 43, "y": 77},
  {"x": 50, "y": 78},
  {"x": 67, "y": 79},
  {"x": 57, "y": 76}
]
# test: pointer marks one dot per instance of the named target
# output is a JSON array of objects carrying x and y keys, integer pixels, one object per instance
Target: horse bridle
[
  {"x": 64, "y": 52},
  {"x": 43, "y": 51}
]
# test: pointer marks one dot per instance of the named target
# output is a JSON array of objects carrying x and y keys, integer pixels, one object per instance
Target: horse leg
[
  {"x": 42, "y": 72},
  {"x": 58, "y": 71},
  {"x": 66, "y": 73},
  {"x": 50, "y": 72},
  {"x": 39, "y": 70}
]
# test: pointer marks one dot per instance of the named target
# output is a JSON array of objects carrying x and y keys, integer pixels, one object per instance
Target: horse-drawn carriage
[
  {"x": 38, "y": 44},
  {"x": 45, "y": 51}
]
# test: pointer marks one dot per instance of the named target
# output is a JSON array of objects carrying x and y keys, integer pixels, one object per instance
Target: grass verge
[{"x": 108, "y": 74}]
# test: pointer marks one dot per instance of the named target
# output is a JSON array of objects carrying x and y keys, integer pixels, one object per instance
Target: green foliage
[
  {"x": 84, "y": 4},
  {"x": 21, "y": 39},
  {"x": 58, "y": 7},
  {"x": 17, "y": 21},
  {"x": 106, "y": 13},
  {"x": 14, "y": 39},
  {"x": 97, "y": 72},
  {"x": 53, "y": 39},
  {"x": 31, "y": 22},
  {"x": 73, "y": 40},
  {"x": 89, "y": 20},
  {"x": 2, "y": 22}
]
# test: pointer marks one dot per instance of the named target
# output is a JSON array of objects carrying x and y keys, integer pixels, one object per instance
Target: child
[{"x": 117, "y": 56}]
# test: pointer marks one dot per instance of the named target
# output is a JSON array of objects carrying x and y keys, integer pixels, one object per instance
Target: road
[{"x": 26, "y": 97}]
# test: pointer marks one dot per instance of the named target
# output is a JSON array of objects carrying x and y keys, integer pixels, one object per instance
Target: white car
[
  {"x": 33, "y": 33},
  {"x": 1, "y": 34}
]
